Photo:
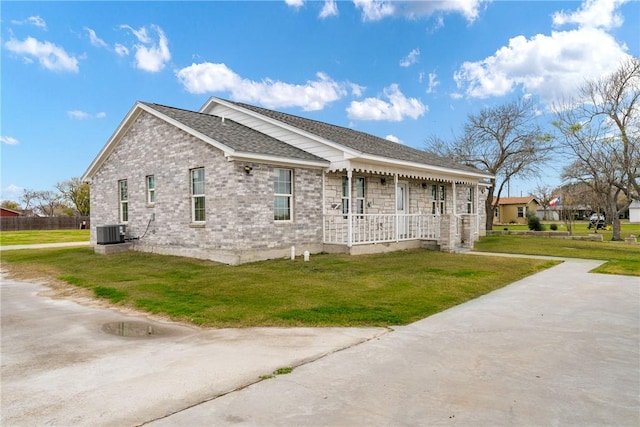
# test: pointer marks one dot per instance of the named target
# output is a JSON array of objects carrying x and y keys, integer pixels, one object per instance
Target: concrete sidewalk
[
  {"x": 561, "y": 347},
  {"x": 43, "y": 246},
  {"x": 60, "y": 367}
]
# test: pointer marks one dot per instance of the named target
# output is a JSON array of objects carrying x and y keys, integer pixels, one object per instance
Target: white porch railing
[{"x": 379, "y": 228}]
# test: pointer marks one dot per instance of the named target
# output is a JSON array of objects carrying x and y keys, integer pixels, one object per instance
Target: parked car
[{"x": 596, "y": 217}]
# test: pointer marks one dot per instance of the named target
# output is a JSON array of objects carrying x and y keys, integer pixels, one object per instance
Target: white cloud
[
  {"x": 393, "y": 138},
  {"x": 11, "y": 192},
  {"x": 433, "y": 82},
  {"x": 396, "y": 108},
  {"x": 593, "y": 14},
  {"x": 375, "y": 10},
  {"x": 411, "y": 58},
  {"x": 356, "y": 89},
  {"x": 150, "y": 55},
  {"x": 83, "y": 115},
  {"x": 33, "y": 20},
  {"x": 214, "y": 77},
  {"x": 550, "y": 66},
  {"x": 95, "y": 40},
  {"x": 294, "y": 3},
  {"x": 330, "y": 8},
  {"x": 121, "y": 50},
  {"x": 9, "y": 140},
  {"x": 50, "y": 56}
]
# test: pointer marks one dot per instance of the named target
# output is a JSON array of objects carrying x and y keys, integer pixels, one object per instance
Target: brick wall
[{"x": 239, "y": 222}]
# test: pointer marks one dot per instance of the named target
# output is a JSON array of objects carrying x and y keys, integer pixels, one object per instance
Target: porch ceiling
[{"x": 402, "y": 172}]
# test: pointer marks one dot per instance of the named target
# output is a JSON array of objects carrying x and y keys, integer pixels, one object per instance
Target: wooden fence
[{"x": 17, "y": 223}]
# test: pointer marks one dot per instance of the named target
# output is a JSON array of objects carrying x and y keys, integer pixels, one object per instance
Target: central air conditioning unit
[{"x": 111, "y": 234}]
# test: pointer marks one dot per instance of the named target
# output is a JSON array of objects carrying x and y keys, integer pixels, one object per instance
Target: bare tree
[
  {"x": 76, "y": 193},
  {"x": 47, "y": 203},
  {"x": 505, "y": 141},
  {"x": 601, "y": 128},
  {"x": 27, "y": 199},
  {"x": 544, "y": 195}
]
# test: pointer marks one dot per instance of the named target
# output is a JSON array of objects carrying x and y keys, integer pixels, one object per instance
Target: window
[
  {"x": 151, "y": 189},
  {"x": 438, "y": 196},
  {"x": 197, "y": 195},
  {"x": 282, "y": 194},
  {"x": 470, "y": 200},
  {"x": 359, "y": 201},
  {"x": 123, "y": 196},
  {"x": 520, "y": 211},
  {"x": 345, "y": 195}
]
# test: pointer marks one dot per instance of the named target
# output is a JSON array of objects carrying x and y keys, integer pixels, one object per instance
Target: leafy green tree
[
  {"x": 601, "y": 130},
  {"x": 76, "y": 193}
]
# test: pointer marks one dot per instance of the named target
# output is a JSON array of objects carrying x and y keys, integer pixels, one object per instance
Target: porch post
[
  {"x": 324, "y": 209},
  {"x": 453, "y": 198},
  {"x": 349, "y": 207},
  {"x": 395, "y": 184}
]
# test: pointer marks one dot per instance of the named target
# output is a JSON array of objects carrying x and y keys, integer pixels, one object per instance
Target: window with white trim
[
  {"x": 345, "y": 195},
  {"x": 520, "y": 211},
  {"x": 438, "y": 196},
  {"x": 197, "y": 195},
  {"x": 123, "y": 197},
  {"x": 470, "y": 200},
  {"x": 151, "y": 189},
  {"x": 282, "y": 194}
]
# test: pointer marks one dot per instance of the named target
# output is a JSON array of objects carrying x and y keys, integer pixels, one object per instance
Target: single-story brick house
[
  {"x": 236, "y": 183},
  {"x": 513, "y": 210}
]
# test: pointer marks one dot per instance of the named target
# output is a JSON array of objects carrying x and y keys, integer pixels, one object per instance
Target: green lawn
[
  {"x": 580, "y": 228},
  {"x": 8, "y": 238},
  {"x": 330, "y": 290},
  {"x": 622, "y": 258}
]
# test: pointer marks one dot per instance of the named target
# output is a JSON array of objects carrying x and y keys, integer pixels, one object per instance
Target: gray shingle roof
[
  {"x": 360, "y": 141},
  {"x": 233, "y": 134}
]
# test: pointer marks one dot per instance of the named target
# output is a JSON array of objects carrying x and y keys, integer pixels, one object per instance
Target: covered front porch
[{"x": 368, "y": 207}]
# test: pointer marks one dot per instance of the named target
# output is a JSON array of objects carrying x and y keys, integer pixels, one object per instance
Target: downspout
[{"x": 349, "y": 207}]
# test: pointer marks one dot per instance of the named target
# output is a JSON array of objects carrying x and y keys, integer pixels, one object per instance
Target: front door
[{"x": 401, "y": 209}]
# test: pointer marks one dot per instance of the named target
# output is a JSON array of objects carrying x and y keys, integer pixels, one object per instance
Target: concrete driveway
[{"x": 561, "y": 347}]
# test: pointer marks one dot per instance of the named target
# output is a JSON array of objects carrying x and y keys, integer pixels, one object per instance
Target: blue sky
[{"x": 404, "y": 70}]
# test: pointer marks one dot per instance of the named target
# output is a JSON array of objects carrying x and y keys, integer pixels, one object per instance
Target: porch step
[{"x": 461, "y": 250}]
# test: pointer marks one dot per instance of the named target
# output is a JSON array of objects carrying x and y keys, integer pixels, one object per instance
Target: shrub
[
  {"x": 535, "y": 224},
  {"x": 553, "y": 227}
]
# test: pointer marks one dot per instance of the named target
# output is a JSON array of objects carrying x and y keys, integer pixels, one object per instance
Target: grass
[
  {"x": 580, "y": 228},
  {"x": 30, "y": 237},
  {"x": 622, "y": 258},
  {"x": 330, "y": 290}
]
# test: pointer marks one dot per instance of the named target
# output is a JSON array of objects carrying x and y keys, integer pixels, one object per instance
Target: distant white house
[{"x": 634, "y": 212}]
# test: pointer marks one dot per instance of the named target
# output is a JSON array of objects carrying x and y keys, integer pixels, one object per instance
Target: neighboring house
[
  {"x": 9, "y": 212},
  {"x": 513, "y": 210},
  {"x": 236, "y": 183},
  {"x": 634, "y": 212}
]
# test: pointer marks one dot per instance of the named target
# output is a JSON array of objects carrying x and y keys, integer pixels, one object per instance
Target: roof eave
[
  {"x": 278, "y": 160},
  {"x": 425, "y": 167},
  {"x": 126, "y": 123}
]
